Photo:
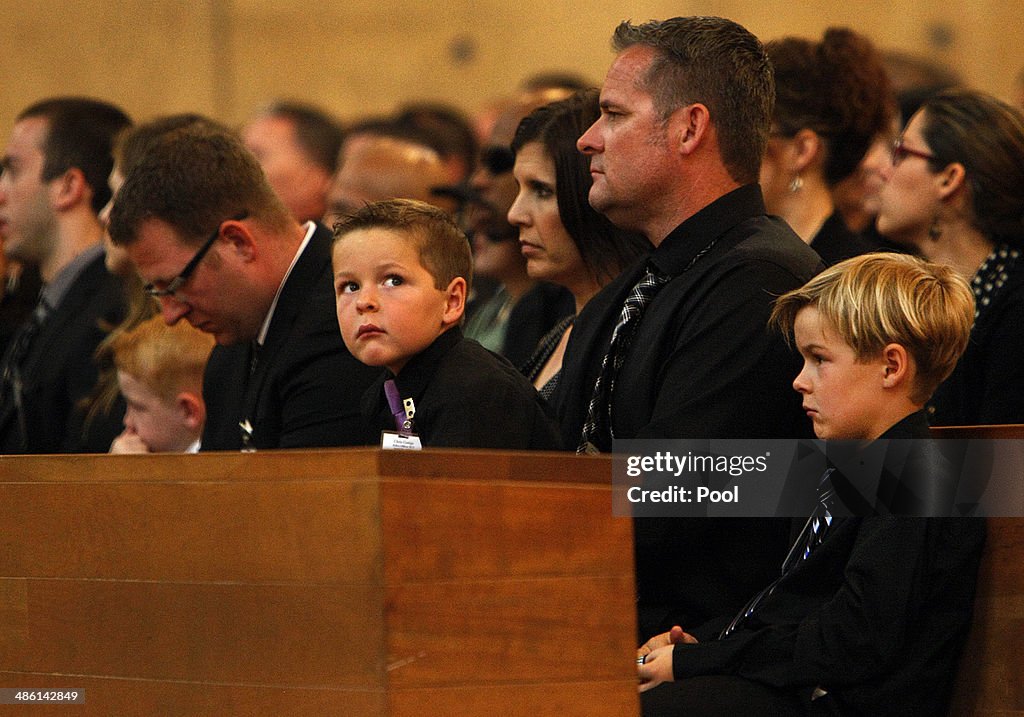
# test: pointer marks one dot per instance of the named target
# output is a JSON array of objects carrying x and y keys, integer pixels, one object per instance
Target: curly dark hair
[{"x": 838, "y": 88}]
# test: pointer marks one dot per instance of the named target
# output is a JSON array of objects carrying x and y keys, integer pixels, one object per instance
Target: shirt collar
[
  {"x": 679, "y": 248},
  {"x": 55, "y": 290},
  {"x": 310, "y": 228},
  {"x": 416, "y": 374}
]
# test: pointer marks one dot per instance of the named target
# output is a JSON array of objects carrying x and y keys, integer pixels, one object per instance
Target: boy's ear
[
  {"x": 192, "y": 409},
  {"x": 898, "y": 366},
  {"x": 455, "y": 301}
]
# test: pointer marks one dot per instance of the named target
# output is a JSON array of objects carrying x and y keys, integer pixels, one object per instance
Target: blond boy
[
  {"x": 160, "y": 374},
  {"x": 869, "y": 614},
  {"x": 878, "y": 333}
]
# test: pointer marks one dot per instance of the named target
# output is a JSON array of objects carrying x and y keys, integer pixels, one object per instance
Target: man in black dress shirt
[
  {"x": 219, "y": 249},
  {"x": 675, "y": 155}
]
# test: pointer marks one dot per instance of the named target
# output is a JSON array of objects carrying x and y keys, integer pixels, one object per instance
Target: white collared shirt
[{"x": 310, "y": 228}]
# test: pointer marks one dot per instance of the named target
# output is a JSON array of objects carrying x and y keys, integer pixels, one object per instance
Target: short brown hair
[
  {"x": 193, "y": 178},
  {"x": 876, "y": 299},
  {"x": 80, "y": 133},
  {"x": 720, "y": 64},
  {"x": 166, "y": 359},
  {"x": 444, "y": 249}
]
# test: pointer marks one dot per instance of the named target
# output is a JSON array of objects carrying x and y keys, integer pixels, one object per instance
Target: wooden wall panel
[
  {"x": 202, "y": 632},
  {"x": 226, "y": 57},
  {"x": 989, "y": 683},
  {"x": 192, "y": 531},
  {"x": 519, "y": 700},
  {"x": 335, "y": 582}
]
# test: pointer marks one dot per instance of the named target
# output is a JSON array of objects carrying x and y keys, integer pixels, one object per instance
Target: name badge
[{"x": 392, "y": 441}]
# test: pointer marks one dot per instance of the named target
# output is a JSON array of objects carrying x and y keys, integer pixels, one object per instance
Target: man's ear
[
  {"x": 240, "y": 237},
  {"x": 898, "y": 367},
  {"x": 688, "y": 125},
  {"x": 192, "y": 410},
  {"x": 455, "y": 301},
  {"x": 69, "y": 189}
]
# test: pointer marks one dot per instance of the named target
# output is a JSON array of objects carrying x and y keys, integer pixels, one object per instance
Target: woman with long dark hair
[
  {"x": 563, "y": 239},
  {"x": 955, "y": 194}
]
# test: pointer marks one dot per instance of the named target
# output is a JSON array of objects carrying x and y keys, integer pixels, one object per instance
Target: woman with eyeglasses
[
  {"x": 955, "y": 193},
  {"x": 563, "y": 239},
  {"x": 832, "y": 100}
]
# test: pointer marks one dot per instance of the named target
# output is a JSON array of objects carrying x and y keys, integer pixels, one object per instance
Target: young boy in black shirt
[
  {"x": 402, "y": 270},
  {"x": 869, "y": 614}
]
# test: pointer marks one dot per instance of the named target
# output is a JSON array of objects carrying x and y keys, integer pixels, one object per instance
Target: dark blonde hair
[
  {"x": 167, "y": 359},
  {"x": 874, "y": 300},
  {"x": 443, "y": 248}
]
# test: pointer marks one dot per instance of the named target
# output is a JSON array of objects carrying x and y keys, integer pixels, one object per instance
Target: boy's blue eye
[
  {"x": 393, "y": 280},
  {"x": 349, "y": 287}
]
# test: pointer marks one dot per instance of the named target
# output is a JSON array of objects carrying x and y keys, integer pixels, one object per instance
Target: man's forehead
[
  {"x": 27, "y": 136},
  {"x": 156, "y": 240},
  {"x": 629, "y": 69},
  {"x": 269, "y": 129}
]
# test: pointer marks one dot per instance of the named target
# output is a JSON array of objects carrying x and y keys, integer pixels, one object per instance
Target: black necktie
[
  {"x": 596, "y": 433},
  {"x": 10, "y": 379},
  {"x": 811, "y": 536},
  {"x": 254, "y": 356},
  {"x": 19, "y": 348}
]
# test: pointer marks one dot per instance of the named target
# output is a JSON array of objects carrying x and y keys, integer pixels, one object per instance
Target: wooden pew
[
  {"x": 341, "y": 582},
  {"x": 991, "y": 678}
]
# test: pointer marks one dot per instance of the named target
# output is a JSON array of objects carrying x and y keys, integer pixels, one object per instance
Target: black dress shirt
[
  {"x": 876, "y": 616},
  {"x": 702, "y": 364},
  {"x": 466, "y": 397}
]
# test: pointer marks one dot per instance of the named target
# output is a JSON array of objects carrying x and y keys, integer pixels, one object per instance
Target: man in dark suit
[
  {"x": 675, "y": 155},
  {"x": 54, "y": 183},
  {"x": 219, "y": 249}
]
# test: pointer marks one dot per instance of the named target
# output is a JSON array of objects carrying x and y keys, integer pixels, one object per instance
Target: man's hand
[{"x": 654, "y": 657}]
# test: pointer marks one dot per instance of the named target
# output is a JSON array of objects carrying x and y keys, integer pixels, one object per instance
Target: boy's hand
[
  {"x": 656, "y": 654},
  {"x": 128, "y": 442}
]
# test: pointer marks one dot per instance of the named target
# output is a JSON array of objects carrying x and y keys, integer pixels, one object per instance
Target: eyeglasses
[
  {"x": 174, "y": 286},
  {"x": 899, "y": 153}
]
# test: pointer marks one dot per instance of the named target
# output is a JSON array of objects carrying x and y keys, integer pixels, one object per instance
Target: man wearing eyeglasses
[
  {"x": 52, "y": 186},
  {"x": 218, "y": 249}
]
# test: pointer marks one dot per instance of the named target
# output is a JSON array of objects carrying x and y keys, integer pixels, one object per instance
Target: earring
[
  {"x": 796, "y": 185},
  {"x": 935, "y": 230}
]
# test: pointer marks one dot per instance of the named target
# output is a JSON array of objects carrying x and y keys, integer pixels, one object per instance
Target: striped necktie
[{"x": 596, "y": 434}]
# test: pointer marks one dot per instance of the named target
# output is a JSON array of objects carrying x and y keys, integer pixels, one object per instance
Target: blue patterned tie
[{"x": 812, "y": 535}]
